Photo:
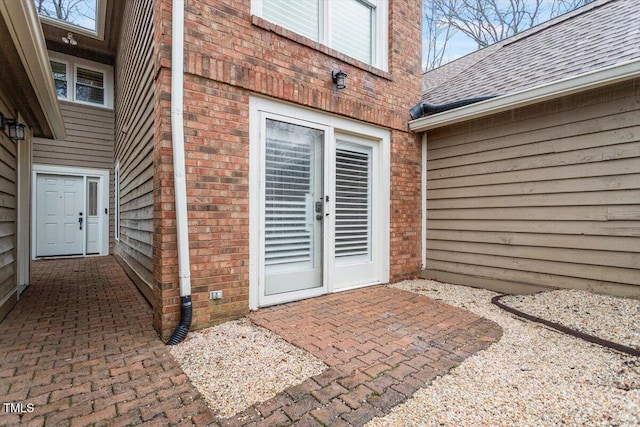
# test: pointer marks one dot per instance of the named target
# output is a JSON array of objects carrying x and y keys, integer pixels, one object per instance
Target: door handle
[
  {"x": 319, "y": 209},
  {"x": 80, "y": 222}
]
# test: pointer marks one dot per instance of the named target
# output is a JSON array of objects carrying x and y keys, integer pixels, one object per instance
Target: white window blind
[
  {"x": 300, "y": 16},
  {"x": 352, "y": 28},
  {"x": 289, "y": 189},
  {"x": 353, "y": 202}
]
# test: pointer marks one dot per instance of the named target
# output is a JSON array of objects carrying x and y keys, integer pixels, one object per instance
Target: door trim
[
  {"x": 259, "y": 109},
  {"x": 103, "y": 198}
]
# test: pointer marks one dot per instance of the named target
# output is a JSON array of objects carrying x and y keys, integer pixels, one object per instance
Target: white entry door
[{"x": 60, "y": 215}]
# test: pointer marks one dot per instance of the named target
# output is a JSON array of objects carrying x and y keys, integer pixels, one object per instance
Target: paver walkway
[
  {"x": 381, "y": 345},
  {"x": 80, "y": 347}
]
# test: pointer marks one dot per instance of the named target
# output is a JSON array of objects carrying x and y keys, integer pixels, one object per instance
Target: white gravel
[
  {"x": 237, "y": 364},
  {"x": 533, "y": 376}
]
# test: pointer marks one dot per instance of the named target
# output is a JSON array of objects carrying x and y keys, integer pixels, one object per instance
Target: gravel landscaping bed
[
  {"x": 236, "y": 364},
  {"x": 533, "y": 376}
]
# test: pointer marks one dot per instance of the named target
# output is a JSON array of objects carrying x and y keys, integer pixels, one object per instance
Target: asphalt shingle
[{"x": 600, "y": 34}]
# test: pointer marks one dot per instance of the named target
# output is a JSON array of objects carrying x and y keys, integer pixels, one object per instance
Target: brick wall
[{"x": 231, "y": 54}]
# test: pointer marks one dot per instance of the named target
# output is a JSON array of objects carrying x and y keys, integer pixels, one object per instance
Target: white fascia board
[
  {"x": 26, "y": 33},
  {"x": 559, "y": 88}
]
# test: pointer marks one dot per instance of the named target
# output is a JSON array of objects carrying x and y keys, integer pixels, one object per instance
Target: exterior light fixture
[
  {"x": 339, "y": 78},
  {"x": 69, "y": 39},
  {"x": 15, "y": 129}
]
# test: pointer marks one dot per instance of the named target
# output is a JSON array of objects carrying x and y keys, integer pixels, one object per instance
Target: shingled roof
[{"x": 600, "y": 34}]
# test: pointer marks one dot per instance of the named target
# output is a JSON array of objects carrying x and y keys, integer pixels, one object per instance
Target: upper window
[
  {"x": 356, "y": 28},
  {"x": 82, "y": 16},
  {"x": 82, "y": 81}
]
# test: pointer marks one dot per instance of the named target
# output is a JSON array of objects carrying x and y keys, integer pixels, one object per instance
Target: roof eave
[
  {"x": 605, "y": 76},
  {"x": 26, "y": 33}
]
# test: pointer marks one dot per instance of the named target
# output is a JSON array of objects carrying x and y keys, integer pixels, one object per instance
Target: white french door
[{"x": 320, "y": 221}]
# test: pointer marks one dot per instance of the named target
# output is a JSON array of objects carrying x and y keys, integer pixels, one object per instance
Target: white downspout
[
  {"x": 423, "y": 196},
  {"x": 179, "y": 174}
]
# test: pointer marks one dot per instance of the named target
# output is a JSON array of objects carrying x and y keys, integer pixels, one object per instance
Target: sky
[{"x": 460, "y": 45}]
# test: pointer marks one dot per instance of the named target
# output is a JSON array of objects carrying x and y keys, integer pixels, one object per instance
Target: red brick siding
[{"x": 230, "y": 55}]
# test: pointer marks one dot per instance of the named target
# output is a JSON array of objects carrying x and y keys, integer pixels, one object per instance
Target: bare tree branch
[
  {"x": 436, "y": 35},
  {"x": 485, "y": 21}
]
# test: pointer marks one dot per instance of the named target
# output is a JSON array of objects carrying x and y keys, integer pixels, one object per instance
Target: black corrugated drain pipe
[
  {"x": 561, "y": 328},
  {"x": 423, "y": 108},
  {"x": 180, "y": 333}
]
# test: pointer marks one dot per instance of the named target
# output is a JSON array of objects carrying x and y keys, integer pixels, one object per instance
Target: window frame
[
  {"x": 379, "y": 30},
  {"x": 67, "y": 74},
  {"x": 75, "y": 84},
  {"x": 73, "y": 63},
  {"x": 101, "y": 12}
]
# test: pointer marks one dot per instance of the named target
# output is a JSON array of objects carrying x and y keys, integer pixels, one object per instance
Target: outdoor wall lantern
[
  {"x": 339, "y": 78},
  {"x": 16, "y": 129}
]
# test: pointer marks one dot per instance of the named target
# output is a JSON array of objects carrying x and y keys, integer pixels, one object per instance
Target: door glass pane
[
  {"x": 352, "y": 29},
  {"x": 289, "y": 190},
  {"x": 93, "y": 199},
  {"x": 300, "y": 16},
  {"x": 353, "y": 203}
]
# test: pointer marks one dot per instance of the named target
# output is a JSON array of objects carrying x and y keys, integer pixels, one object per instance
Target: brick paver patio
[
  {"x": 79, "y": 346},
  {"x": 381, "y": 345}
]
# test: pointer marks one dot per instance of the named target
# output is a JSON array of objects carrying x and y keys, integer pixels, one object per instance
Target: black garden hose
[{"x": 590, "y": 338}]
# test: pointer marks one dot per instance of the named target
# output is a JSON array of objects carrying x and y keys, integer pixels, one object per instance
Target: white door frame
[
  {"x": 103, "y": 201},
  {"x": 262, "y": 108}
]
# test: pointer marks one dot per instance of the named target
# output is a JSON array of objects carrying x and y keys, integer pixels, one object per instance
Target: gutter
[
  {"x": 179, "y": 174},
  {"x": 594, "y": 79},
  {"x": 23, "y": 24}
]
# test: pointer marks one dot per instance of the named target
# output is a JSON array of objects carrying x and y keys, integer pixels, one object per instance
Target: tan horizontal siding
[
  {"x": 549, "y": 115},
  {"x": 89, "y": 144},
  {"x": 134, "y": 143},
  {"x": 8, "y": 222},
  {"x": 89, "y": 141},
  {"x": 546, "y": 195}
]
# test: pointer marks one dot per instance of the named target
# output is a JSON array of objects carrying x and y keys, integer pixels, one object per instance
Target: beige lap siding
[
  {"x": 134, "y": 143},
  {"x": 544, "y": 195},
  {"x": 8, "y": 219}
]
